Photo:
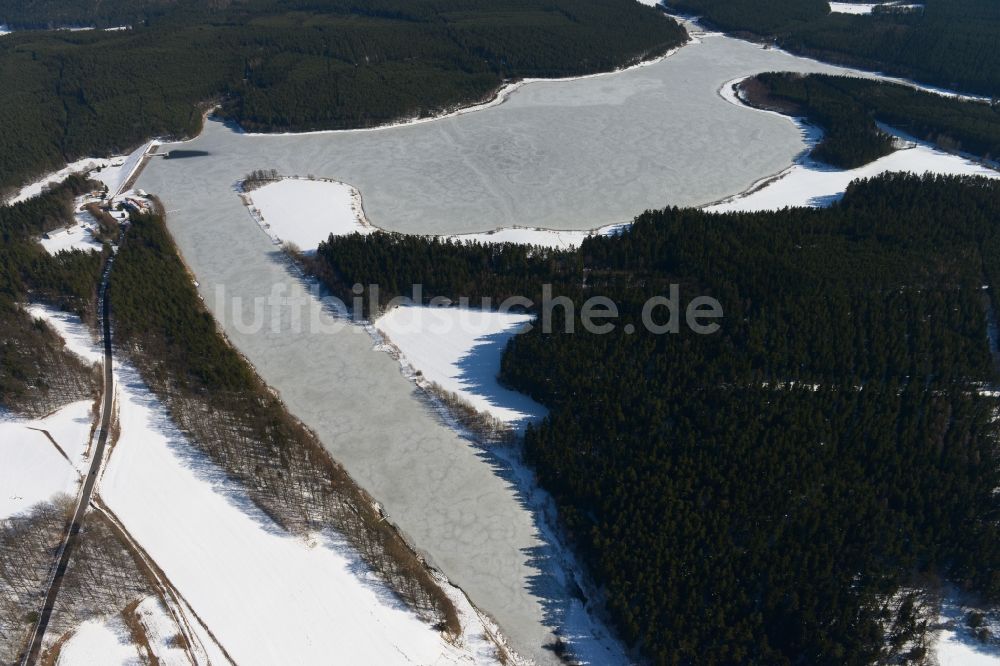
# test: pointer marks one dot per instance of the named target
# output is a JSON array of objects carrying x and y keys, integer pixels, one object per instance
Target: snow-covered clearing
[
  {"x": 79, "y": 236},
  {"x": 112, "y": 171},
  {"x": 268, "y": 597},
  {"x": 306, "y": 212},
  {"x": 956, "y": 645},
  {"x": 460, "y": 349},
  {"x": 34, "y": 470},
  {"x": 4, "y": 30},
  {"x": 852, "y": 7},
  {"x": 69, "y": 327},
  {"x": 104, "y": 642}
]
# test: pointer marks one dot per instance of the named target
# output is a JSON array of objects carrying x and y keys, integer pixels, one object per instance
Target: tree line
[
  {"x": 848, "y": 109},
  {"x": 950, "y": 43},
  {"x": 758, "y": 495}
]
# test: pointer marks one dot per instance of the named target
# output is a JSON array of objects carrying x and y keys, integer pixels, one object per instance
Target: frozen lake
[{"x": 564, "y": 155}]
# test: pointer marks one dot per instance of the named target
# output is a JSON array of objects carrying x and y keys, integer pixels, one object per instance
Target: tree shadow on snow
[{"x": 190, "y": 455}]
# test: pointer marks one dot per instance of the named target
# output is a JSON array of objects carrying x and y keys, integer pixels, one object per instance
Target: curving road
[{"x": 83, "y": 502}]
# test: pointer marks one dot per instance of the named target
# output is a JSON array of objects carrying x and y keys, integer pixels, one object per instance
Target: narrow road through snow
[{"x": 86, "y": 490}]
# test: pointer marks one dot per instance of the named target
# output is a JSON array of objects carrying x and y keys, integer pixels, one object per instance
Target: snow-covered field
[
  {"x": 76, "y": 336},
  {"x": 267, "y": 596},
  {"x": 460, "y": 350},
  {"x": 99, "y": 642},
  {"x": 79, "y": 236},
  {"x": 305, "y": 212},
  {"x": 955, "y": 644},
  {"x": 33, "y": 469}
]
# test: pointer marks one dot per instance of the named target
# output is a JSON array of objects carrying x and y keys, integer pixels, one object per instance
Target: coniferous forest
[
  {"x": 848, "y": 110},
  {"x": 757, "y": 495},
  {"x": 284, "y": 64},
  {"x": 36, "y": 373},
  {"x": 949, "y": 43}
]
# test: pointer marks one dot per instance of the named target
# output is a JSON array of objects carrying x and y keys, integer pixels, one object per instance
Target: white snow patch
[
  {"x": 460, "y": 349},
  {"x": 953, "y": 649},
  {"x": 550, "y": 238},
  {"x": 161, "y": 630},
  {"x": 69, "y": 327},
  {"x": 78, "y": 236},
  {"x": 861, "y": 8},
  {"x": 956, "y": 645},
  {"x": 4, "y": 30},
  {"x": 852, "y": 7},
  {"x": 306, "y": 212},
  {"x": 33, "y": 469},
  {"x": 267, "y": 596},
  {"x": 99, "y": 643}
]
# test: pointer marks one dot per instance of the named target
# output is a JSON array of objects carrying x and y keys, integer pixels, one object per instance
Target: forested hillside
[
  {"x": 287, "y": 65},
  {"x": 46, "y": 14},
  {"x": 847, "y": 110},
  {"x": 951, "y": 43},
  {"x": 36, "y": 374},
  {"x": 757, "y": 495}
]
